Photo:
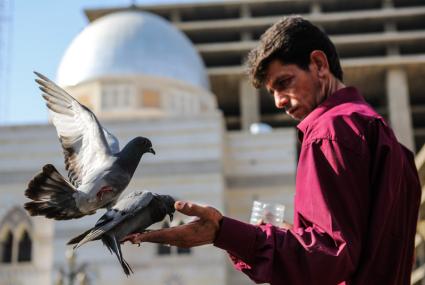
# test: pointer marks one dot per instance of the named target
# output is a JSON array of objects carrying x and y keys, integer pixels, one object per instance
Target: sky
[{"x": 37, "y": 35}]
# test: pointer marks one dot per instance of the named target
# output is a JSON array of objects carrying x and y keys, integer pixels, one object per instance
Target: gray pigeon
[
  {"x": 98, "y": 171},
  {"x": 131, "y": 214}
]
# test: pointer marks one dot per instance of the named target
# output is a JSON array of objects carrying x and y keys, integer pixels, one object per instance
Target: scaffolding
[{"x": 418, "y": 274}]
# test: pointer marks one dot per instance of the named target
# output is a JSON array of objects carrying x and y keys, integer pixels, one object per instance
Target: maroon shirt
[{"x": 356, "y": 206}]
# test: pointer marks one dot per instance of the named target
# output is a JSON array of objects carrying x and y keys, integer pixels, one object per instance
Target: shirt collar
[{"x": 343, "y": 95}]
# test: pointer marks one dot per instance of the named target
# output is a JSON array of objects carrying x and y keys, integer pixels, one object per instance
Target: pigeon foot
[{"x": 103, "y": 191}]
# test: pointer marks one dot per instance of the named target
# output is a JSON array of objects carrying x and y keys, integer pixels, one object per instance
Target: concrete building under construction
[{"x": 381, "y": 44}]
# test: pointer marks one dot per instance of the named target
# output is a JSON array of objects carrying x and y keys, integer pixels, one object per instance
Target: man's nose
[{"x": 280, "y": 100}]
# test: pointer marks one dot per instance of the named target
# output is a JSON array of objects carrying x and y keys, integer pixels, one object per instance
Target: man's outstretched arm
[{"x": 201, "y": 231}]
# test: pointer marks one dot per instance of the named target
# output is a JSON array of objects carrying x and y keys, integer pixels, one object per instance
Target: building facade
[{"x": 142, "y": 76}]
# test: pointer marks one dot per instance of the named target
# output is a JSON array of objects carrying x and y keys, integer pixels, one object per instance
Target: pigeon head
[
  {"x": 131, "y": 154},
  {"x": 143, "y": 144},
  {"x": 138, "y": 146},
  {"x": 169, "y": 205}
]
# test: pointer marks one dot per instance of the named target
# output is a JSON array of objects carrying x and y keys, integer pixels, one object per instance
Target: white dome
[{"x": 131, "y": 43}]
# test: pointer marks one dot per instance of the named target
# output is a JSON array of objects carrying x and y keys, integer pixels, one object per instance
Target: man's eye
[{"x": 283, "y": 83}]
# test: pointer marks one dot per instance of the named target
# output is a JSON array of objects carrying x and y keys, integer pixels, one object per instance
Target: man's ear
[{"x": 320, "y": 63}]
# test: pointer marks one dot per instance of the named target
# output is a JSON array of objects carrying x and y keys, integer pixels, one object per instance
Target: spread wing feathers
[
  {"x": 85, "y": 145},
  {"x": 112, "y": 141},
  {"x": 52, "y": 196},
  {"x": 124, "y": 209}
]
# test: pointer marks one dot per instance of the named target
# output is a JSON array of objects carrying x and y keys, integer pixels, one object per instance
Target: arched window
[
  {"x": 6, "y": 248},
  {"x": 25, "y": 248},
  {"x": 164, "y": 249},
  {"x": 15, "y": 236}
]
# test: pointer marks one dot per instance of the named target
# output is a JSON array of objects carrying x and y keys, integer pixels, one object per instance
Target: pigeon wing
[
  {"x": 125, "y": 208},
  {"x": 112, "y": 141},
  {"x": 134, "y": 201},
  {"x": 86, "y": 144}
]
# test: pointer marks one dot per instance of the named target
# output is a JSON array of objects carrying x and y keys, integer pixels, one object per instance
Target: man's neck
[{"x": 332, "y": 86}]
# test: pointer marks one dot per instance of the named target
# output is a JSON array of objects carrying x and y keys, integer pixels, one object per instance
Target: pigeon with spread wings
[
  {"x": 133, "y": 213},
  {"x": 98, "y": 171}
]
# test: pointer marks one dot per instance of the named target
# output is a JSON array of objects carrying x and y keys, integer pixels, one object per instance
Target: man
[{"x": 357, "y": 189}]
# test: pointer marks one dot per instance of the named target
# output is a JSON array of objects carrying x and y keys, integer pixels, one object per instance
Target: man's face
[{"x": 296, "y": 90}]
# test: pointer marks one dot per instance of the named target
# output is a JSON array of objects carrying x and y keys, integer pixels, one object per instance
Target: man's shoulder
[{"x": 345, "y": 122}]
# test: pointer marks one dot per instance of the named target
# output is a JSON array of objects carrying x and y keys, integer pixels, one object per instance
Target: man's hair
[{"x": 290, "y": 40}]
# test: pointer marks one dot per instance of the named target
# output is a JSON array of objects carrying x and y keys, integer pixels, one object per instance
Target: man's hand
[{"x": 199, "y": 232}]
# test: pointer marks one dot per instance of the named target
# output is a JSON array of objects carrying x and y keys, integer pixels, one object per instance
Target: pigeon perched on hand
[
  {"x": 131, "y": 214},
  {"x": 98, "y": 171}
]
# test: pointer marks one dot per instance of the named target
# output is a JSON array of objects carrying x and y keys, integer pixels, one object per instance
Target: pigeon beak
[
  {"x": 171, "y": 217},
  {"x": 151, "y": 151}
]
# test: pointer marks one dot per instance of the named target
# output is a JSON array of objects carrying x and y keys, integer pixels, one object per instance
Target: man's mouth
[{"x": 290, "y": 110}]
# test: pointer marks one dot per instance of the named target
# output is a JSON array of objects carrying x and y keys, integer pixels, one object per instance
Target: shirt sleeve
[{"x": 330, "y": 220}]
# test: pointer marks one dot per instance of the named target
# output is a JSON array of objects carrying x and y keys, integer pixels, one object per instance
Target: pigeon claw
[{"x": 104, "y": 190}]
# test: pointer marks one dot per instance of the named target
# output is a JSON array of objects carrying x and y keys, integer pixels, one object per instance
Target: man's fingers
[
  {"x": 166, "y": 236},
  {"x": 191, "y": 209},
  {"x": 159, "y": 236},
  {"x": 204, "y": 213},
  {"x": 131, "y": 238}
]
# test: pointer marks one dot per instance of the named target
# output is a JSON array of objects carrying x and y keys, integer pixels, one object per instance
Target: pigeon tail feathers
[
  {"x": 52, "y": 195},
  {"x": 79, "y": 238},
  {"x": 94, "y": 234},
  {"x": 114, "y": 246}
]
